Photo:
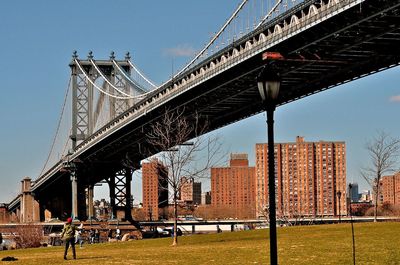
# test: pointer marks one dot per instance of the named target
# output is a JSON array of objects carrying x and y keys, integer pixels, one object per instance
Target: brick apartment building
[
  {"x": 154, "y": 188},
  {"x": 308, "y": 178},
  {"x": 390, "y": 189},
  {"x": 190, "y": 191},
  {"x": 233, "y": 187}
]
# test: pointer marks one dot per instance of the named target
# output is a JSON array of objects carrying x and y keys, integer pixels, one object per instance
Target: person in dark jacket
[
  {"x": 68, "y": 235},
  {"x": 1, "y": 241}
]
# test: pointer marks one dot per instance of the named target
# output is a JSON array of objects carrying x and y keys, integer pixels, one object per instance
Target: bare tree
[
  {"x": 29, "y": 236},
  {"x": 384, "y": 151},
  {"x": 183, "y": 160}
]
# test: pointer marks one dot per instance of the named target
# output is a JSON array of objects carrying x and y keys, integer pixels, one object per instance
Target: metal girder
[{"x": 118, "y": 106}]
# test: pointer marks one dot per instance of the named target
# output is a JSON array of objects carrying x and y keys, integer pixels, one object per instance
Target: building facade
[
  {"x": 233, "y": 187},
  {"x": 190, "y": 191},
  {"x": 309, "y": 178},
  {"x": 206, "y": 198},
  {"x": 154, "y": 189},
  {"x": 390, "y": 189}
]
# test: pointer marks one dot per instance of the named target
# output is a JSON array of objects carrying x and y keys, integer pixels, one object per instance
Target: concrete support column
[
  {"x": 90, "y": 194},
  {"x": 111, "y": 185},
  {"x": 74, "y": 188}
]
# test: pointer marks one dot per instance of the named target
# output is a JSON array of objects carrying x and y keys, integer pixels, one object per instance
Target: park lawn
[{"x": 376, "y": 243}]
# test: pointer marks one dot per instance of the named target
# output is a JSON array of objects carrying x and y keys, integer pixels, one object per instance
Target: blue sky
[{"x": 38, "y": 38}]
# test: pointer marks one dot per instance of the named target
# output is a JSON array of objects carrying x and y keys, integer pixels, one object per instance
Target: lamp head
[{"x": 268, "y": 82}]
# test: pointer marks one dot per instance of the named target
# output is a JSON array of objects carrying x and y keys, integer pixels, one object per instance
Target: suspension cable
[
  {"x": 100, "y": 89},
  {"x": 142, "y": 75},
  {"x": 214, "y": 38},
  {"x": 108, "y": 81},
  {"x": 58, "y": 127},
  {"x": 66, "y": 143},
  {"x": 127, "y": 77},
  {"x": 269, "y": 13}
]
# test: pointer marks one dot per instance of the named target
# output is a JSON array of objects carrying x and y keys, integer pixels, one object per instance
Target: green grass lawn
[{"x": 376, "y": 243}]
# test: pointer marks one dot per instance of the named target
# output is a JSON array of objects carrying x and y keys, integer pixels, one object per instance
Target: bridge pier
[
  {"x": 90, "y": 195},
  {"x": 121, "y": 194},
  {"x": 29, "y": 206},
  {"x": 74, "y": 189}
]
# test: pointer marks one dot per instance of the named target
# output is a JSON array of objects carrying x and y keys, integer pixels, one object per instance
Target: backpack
[{"x": 68, "y": 231}]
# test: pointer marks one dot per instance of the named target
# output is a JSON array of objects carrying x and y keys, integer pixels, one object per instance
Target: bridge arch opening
[
  {"x": 294, "y": 20},
  {"x": 223, "y": 59},
  {"x": 277, "y": 29},
  {"x": 313, "y": 10},
  {"x": 248, "y": 45},
  {"x": 262, "y": 37}
]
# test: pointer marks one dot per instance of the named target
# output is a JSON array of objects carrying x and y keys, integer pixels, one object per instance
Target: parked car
[{"x": 169, "y": 231}]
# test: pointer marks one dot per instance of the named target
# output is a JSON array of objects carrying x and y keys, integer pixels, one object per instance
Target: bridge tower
[
  {"x": 86, "y": 104},
  {"x": 100, "y": 88}
]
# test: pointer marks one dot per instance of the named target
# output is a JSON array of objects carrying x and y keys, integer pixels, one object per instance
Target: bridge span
[{"x": 314, "y": 46}]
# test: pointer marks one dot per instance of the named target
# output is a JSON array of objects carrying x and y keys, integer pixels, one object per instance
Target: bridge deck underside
[{"x": 357, "y": 42}]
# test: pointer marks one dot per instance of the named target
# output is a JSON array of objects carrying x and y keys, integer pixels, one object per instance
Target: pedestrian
[
  {"x": 67, "y": 235},
  {"x": 109, "y": 235},
  {"x": 78, "y": 235},
  {"x": 91, "y": 236},
  {"x": 97, "y": 236},
  {"x": 1, "y": 241},
  {"x": 118, "y": 236}
]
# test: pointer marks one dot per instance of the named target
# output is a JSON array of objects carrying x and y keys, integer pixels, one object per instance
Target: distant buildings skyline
[{"x": 309, "y": 178}]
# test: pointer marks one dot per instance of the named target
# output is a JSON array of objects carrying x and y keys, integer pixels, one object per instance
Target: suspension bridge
[{"x": 110, "y": 104}]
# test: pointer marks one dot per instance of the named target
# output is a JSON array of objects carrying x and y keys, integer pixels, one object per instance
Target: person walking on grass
[
  {"x": 68, "y": 235},
  {"x": 78, "y": 235}
]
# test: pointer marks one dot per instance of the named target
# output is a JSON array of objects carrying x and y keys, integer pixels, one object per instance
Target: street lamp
[
  {"x": 339, "y": 194},
  {"x": 269, "y": 82}
]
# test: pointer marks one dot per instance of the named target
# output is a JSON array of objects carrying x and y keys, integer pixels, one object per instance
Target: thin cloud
[
  {"x": 395, "y": 98},
  {"x": 180, "y": 51}
]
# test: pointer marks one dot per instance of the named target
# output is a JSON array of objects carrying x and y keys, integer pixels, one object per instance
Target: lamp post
[
  {"x": 339, "y": 194},
  {"x": 268, "y": 83}
]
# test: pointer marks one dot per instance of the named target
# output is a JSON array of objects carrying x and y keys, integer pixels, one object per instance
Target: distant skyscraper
[
  {"x": 154, "y": 188},
  {"x": 234, "y": 186},
  {"x": 354, "y": 195},
  {"x": 308, "y": 177},
  {"x": 190, "y": 191}
]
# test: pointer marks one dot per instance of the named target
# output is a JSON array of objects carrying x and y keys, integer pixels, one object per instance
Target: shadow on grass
[{"x": 89, "y": 258}]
